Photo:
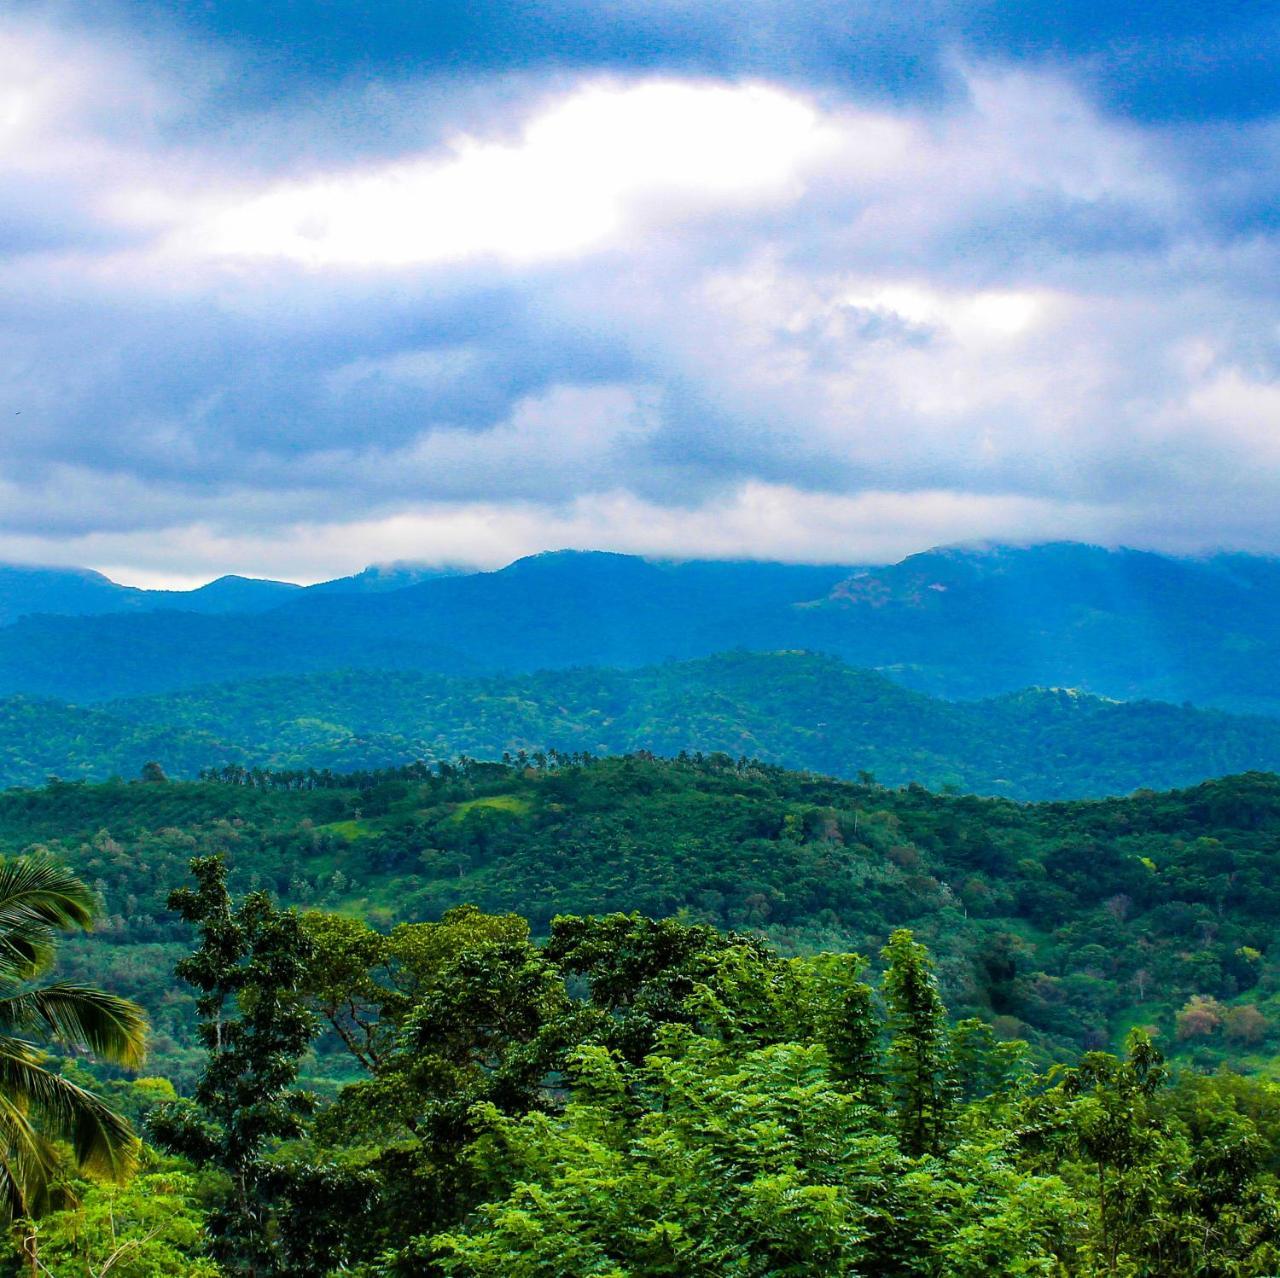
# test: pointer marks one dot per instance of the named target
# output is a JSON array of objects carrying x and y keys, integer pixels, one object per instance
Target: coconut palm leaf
[
  {"x": 28, "y": 1163},
  {"x": 56, "y": 1109},
  {"x": 38, "y": 897},
  {"x": 80, "y": 1016},
  {"x": 20, "y": 1189}
]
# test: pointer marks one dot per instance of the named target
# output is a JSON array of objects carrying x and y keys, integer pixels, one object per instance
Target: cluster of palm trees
[{"x": 41, "y": 1112}]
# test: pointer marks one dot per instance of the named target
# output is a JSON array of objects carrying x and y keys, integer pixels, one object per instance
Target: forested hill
[
  {"x": 793, "y": 709},
  {"x": 549, "y": 611},
  {"x": 967, "y": 622},
  {"x": 78, "y": 592},
  {"x": 28, "y": 590},
  {"x": 1066, "y": 922}
]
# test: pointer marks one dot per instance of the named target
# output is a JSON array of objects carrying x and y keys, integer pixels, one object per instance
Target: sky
[{"x": 289, "y": 289}]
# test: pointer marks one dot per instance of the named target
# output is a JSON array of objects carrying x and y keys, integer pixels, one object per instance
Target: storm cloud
[{"x": 286, "y": 295}]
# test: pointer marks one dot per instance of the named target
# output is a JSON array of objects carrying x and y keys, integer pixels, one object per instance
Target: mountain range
[
  {"x": 960, "y": 622},
  {"x": 793, "y": 709},
  {"x": 81, "y": 592},
  {"x": 28, "y": 590}
]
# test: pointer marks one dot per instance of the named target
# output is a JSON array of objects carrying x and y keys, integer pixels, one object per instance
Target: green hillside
[
  {"x": 471, "y": 1053},
  {"x": 793, "y": 709},
  {"x": 1067, "y": 922}
]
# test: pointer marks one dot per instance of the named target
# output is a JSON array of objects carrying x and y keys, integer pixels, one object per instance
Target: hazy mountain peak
[
  {"x": 232, "y": 583},
  {"x": 28, "y": 589},
  {"x": 560, "y": 559},
  {"x": 398, "y": 574}
]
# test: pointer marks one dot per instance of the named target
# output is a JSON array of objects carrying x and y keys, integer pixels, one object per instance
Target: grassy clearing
[
  {"x": 349, "y": 830},
  {"x": 513, "y": 803}
]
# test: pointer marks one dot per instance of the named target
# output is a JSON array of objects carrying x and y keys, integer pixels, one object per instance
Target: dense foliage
[
  {"x": 653, "y": 1099},
  {"x": 542, "y": 1083},
  {"x": 1064, "y": 923},
  {"x": 794, "y": 709},
  {"x": 251, "y": 961}
]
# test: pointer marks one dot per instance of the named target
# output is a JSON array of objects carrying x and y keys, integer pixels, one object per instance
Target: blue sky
[{"x": 290, "y": 288}]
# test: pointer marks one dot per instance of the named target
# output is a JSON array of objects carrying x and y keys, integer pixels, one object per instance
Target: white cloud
[
  {"x": 583, "y": 169},
  {"x": 554, "y": 445},
  {"x": 673, "y": 316},
  {"x": 757, "y": 520}
]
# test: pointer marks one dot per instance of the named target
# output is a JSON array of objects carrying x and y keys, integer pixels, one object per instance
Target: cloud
[
  {"x": 1181, "y": 60},
  {"x": 596, "y": 160},
  {"x": 640, "y": 303},
  {"x": 757, "y": 520}
]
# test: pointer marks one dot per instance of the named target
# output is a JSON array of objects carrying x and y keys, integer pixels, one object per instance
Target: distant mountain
[
  {"x": 379, "y": 578},
  {"x": 794, "y": 709},
  {"x": 224, "y": 595},
  {"x": 547, "y": 611},
  {"x": 93, "y": 659},
  {"x": 70, "y": 591},
  {"x": 80, "y": 592},
  {"x": 960, "y": 623},
  {"x": 567, "y": 608},
  {"x": 967, "y": 622}
]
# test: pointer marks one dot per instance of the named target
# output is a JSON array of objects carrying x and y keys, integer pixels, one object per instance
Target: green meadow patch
[
  {"x": 349, "y": 830},
  {"x": 515, "y": 804}
]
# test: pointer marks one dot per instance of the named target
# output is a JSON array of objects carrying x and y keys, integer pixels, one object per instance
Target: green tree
[
  {"x": 1175, "y": 1181},
  {"x": 442, "y": 1017},
  {"x": 247, "y": 971},
  {"x": 1110, "y": 1118},
  {"x": 149, "y": 1227},
  {"x": 712, "y": 1159},
  {"x": 919, "y": 1064},
  {"x": 699, "y": 1163},
  {"x": 642, "y": 974},
  {"x": 847, "y": 1020}
]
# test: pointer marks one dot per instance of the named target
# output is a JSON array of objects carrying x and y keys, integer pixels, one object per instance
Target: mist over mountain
[
  {"x": 957, "y": 622},
  {"x": 377, "y": 578},
  {"x": 81, "y": 592},
  {"x": 967, "y": 622}
]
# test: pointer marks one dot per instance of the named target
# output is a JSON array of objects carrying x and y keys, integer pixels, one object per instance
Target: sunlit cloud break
[
  {"x": 584, "y": 171},
  {"x": 564, "y": 294}
]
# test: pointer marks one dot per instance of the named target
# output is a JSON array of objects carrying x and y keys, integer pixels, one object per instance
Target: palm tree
[{"x": 38, "y": 1108}]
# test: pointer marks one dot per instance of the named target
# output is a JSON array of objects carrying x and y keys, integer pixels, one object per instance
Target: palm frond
[
  {"x": 102, "y": 1141},
  {"x": 15, "y": 1200},
  {"x": 79, "y": 1016},
  {"x": 28, "y": 1162},
  {"x": 38, "y": 897}
]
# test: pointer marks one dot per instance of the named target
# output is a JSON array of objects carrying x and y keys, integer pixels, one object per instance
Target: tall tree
[
  {"x": 919, "y": 1046},
  {"x": 443, "y": 1017},
  {"x": 247, "y": 970}
]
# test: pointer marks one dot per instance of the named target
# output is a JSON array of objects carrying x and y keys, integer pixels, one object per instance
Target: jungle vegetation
[
  {"x": 652, "y": 1098},
  {"x": 794, "y": 709},
  {"x": 567, "y": 1015}
]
